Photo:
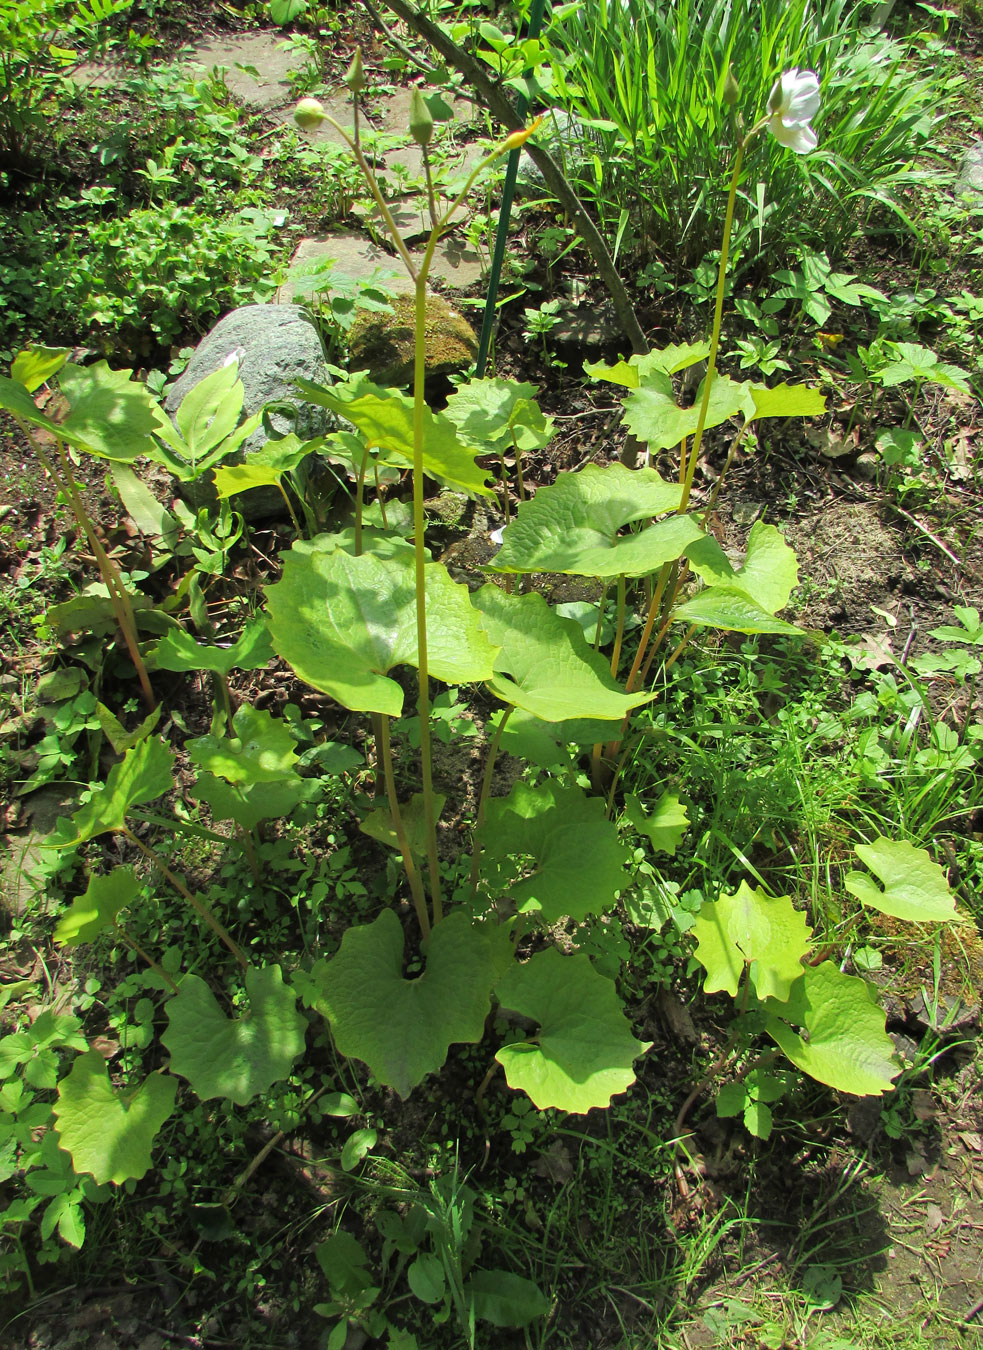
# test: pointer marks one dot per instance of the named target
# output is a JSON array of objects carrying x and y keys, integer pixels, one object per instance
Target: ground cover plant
[{"x": 630, "y": 878}]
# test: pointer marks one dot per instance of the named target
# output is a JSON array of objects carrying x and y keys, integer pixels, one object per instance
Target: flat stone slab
[
  {"x": 262, "y": 50},
  {"x": 455, "y": 264}
]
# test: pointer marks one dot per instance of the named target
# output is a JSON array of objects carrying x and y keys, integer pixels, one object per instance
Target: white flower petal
[{"x": 496, "y": 535}]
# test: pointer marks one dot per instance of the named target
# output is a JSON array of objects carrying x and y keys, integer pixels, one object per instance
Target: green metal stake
[{"x": 505, "y": 212}]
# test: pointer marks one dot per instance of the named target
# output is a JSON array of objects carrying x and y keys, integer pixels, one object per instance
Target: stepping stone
[
  {"x": 455, "y": 264},
  {"x": 262, "y": 50}
]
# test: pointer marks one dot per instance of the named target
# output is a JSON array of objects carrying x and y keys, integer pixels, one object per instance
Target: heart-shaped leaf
[
  {"x": 843, "y": 1042},
  {"x": 402, "y": 1029},
  {"x": 653, "y": 415},
  {"x": 663, "y": 825},
  {"x": 572, "y": 525},
  {"x": 247, "y": 806},
  {"x": 144, "y": 773},
  {"x": 109, "y": 1133},
  {"x": 915, "y": 887},
  {"x": 234, "y": 1057},
  {"x": 343, "y": 623},
  {"x": 751, "y": 928},
  {"x": 378, "y": 824},
  {"x": 579, "y": 860},
  {"x": 261, "y": 751},
  {"x": 583, "y": 1051},
  {"x": 178, "y": 650},
  {"x": 554, "y": 673},
  {"x": 90, "y": 914}
]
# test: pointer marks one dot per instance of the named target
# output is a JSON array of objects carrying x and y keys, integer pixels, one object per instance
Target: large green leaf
[
  {"x": 343, "y": 623},
  {"x": 751, "y": 928},
  {"x": 786, "y": 400},
  {"x": 494, "y": 412},
  {"x": 554, "y": 672},
  {"x": 653, "y": 415},
  {"x": 109, "y": 415},
  {"x": 767, "y": 575},
  {"x": 572, "y": 525},
  {"x": 109, "y": 1133},
  {"x": 385, "y": 419},
  {"x": 583, "y": 1051},
  {"x": 144, "y": 773},
  {"x": 723, "y": 607},
  {"x": 579, "y": 860},
  {"x": 668, "y": 360},
  {"x": 234, "y": 1057},
  {"x": 915, "y": 887},
  {"x": 178, "y": 650},
  {"x": 843, "y": 1042},
  {"x": 261, "y": 750},
  {"x": 402, "y": 1029},
  {"x": 90, "y": 914},
  {"x": 504, "y": 1299}
]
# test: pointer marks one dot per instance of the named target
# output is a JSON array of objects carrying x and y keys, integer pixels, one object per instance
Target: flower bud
[
  {"x": 520, "y": 137},
  {"x": 355, "y": 78},
  {"x": 732, "y": 90},
  {"x": 308, "y": 114},
  {"x": 421, "y": 123}
]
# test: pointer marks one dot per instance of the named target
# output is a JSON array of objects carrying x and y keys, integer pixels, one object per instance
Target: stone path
[{"x": 257, "y": 67}]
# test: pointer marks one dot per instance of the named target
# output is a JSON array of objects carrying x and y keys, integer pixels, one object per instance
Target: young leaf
[
  {"x": 261, "y": 751},
  {"x": 751, "y": 928},
  {"x": 664, "y": 827},
  {"x": 234, "y": 1057},
  {"x": 580, "y": 861},
  {"x": 179, "y": 651},
  {"x": 915, "y": 888},
  {"x": 344, "y": 1262},
  {"x": 583, "y": 1051},
  {"x": 786, "y": 400},
  {"x": 145, "y": 772},
  {"x": 96, "y": 910},
  {"x": 669, "y": 361},
  {"x": 117, "y": 735},
  {"x": 343, "y": 623},
  {"x": 731, "y": 1100},
  {"x": 767, "y": 575},
  {"x": 247, "y": 806},
  {"x": 843, "y": 1042},
  {"x": 490, "y": 411},
  {"x": 555, "y": 673},
  {"x": 653, "y": 415},
  {"x": 504, "y": 1299},
  {"x": 572, "y": 525},
  {"x": 731, "y": 610},
  {"x": 402, "y": 1029},
  {"x": 109, "y": 1133},
  {"x": 36, "y": 365}
]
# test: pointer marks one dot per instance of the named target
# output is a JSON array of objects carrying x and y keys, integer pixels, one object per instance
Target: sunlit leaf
[
  {"x": 663, "y": 825},
  {"x": 653, "y": 415},
  {"x": 145, "y": 772},
  {"x": 767, "y": 575},
  {"x": 261, "y": 750},
  {"x": 109, "y": 1133},
  {"x": 915, "y": 887},
  {"x": 96, "y": 910},
  {"x": 751, "y": 928},
  {"x": 583, "y": 1051}
]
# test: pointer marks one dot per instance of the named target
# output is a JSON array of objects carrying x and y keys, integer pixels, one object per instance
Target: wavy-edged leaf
[
  {"x": 653, "y": 415},
  {"x": 261, "y": 749},
  {"x": 110, "y": 415},
  {"x": 583, "y": 1051},
  {"x": 767, "y": 575},
  {"x": 145, "y": 772},
  {"x": 95, "y": 911},
  {"x": 247, "y": 806},
  {"x": 723, "y": 607},
  {"x": 751, "y": 928},
  {"x": 236, "y": 1057},
  {"x": 914, "y": 887},
  {"x": 572, "y": 525},
  {"x": 402, "y": 1029},
  {"x": 178, "y": 650},
  {"x": 664, "y": 824},
  {"x": 343, "y": 623},
  {"x": 579, "y": 860},
  {"x": 844, "y": 1044},
  {"x": 108, "y": 1133},
  {"x": 36, "y": 365},
  {"x": 491, "y": 412},
  {"x": 668, "y": 360},
  {"x": 554, "y": 673}
]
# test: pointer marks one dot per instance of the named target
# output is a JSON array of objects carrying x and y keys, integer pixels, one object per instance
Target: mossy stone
[{"x": 383, "y": 343}]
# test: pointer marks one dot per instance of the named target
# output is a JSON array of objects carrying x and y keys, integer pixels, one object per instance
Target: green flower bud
[
  {"x": 732, "y": 90},
  {"x": 355, "y": 78},
  {"x": 421, "y": 123},
  {"x": 309, "y": 114}
]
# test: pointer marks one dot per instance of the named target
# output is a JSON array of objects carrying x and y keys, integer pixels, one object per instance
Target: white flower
[
  {"x": 496, "y": 536},
  {"x": 792, "y": 104}
]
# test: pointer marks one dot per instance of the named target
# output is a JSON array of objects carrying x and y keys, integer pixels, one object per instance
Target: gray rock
[
  {"x": 565, "y": 138},
  {"x": 276, "y": 344},
  {"x": 970, "y": 178}
]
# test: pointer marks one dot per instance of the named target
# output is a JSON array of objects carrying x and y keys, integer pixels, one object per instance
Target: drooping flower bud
[
  {"x": 421, "y": 122},
  {"x": 732, "y": 90},
  {"x": 309, "y": 113},
  {"x": 355, "y": 77},
  {"x": 520, "y": 137}
]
